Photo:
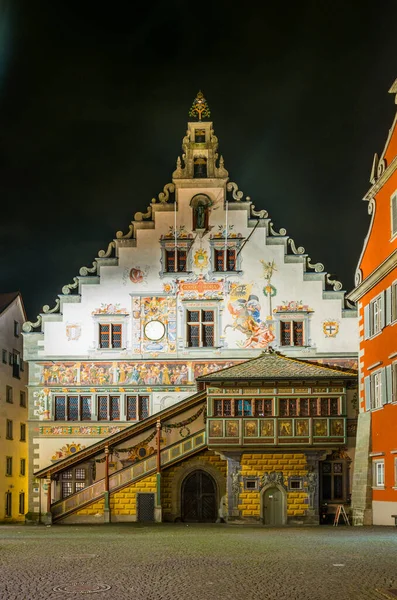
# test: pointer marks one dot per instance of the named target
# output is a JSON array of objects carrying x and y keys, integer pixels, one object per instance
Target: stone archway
[
  {"x": 273, "y": 504},
  {"x": 181, "y": 473}
]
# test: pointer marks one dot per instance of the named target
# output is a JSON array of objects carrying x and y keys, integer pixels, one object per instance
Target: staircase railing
[{"x": 129, "y": 474}]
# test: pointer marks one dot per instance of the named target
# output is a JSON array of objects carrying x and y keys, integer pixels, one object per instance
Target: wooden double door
[{"x": 199, "y": 498}]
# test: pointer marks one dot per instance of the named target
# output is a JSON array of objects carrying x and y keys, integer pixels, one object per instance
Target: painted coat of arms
[
  {"x": 331, "y": 328},
  {"x": 73, "y": 331}
]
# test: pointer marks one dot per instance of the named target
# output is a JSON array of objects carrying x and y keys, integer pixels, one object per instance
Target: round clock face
[{"x": 154, "y": 330}]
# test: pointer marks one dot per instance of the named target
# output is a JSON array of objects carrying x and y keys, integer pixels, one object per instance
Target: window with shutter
[{"x": 394, "y": 215}]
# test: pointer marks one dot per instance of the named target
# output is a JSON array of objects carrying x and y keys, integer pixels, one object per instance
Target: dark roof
[
  {"x": 273, "y": 365},
  {"x": 7, "y": 298}
]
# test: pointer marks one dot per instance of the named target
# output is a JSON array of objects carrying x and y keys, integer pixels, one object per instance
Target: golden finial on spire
[{"x": 200, "y": 107}]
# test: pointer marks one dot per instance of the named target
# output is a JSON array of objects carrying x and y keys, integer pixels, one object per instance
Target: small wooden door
[
  {"x": 273, "y": 507},
  {"x": 199, "y": 498}
]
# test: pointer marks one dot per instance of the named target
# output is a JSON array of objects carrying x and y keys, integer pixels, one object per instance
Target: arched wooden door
[
  {"x": 273, "y": 506},
  {"x": 199, "y": 498}
]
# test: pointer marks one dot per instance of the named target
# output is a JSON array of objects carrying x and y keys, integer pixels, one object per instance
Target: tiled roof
[
  {"x": 6, "y": 299},
  {"x": 273, "y": 365}
]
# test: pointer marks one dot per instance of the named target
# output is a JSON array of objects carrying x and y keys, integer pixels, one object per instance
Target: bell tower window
[
  {"x": 200, "y": 168},
  {"x": 199, "y": 136}
]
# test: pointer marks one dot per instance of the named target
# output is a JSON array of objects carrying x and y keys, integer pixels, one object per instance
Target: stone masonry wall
[
  {"x": 255, "y": 465},
  {"x": 173, "y": 477}
]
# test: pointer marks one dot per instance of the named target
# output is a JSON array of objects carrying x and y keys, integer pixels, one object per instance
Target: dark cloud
[{"x": 94, "y": 103}]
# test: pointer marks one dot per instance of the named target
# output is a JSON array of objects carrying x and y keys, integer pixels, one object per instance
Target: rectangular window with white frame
[
  {"x": 393, "y": 214},
  {"x": 379, "y": 473},
  {"x": 393, "y": 302},
  {"x": 376, "y": 392}
]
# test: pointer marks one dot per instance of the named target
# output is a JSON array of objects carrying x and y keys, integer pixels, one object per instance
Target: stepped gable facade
[
  {"x": 375, "y": 484},
  {"x": 201, "y": 280}
]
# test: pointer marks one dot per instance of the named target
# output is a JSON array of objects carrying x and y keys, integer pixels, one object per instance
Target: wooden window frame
[
  {"x": 378, "y": 467},
  {"x": 9, "y": 394},
  {"x": 139, "y": 411},
  {"x": 66, "y": 398},
  {"x": 22, "y": 436},
  {"x": 112, "y": 334},
  {"x": 292, "y": 323},
  {"x": 200, "y": 324},
  {"x": 9, "y": 466},
  {"x": 9, "y": 429},
  {"x": 109, "y": 411},
  {"x": 8, "y": 504}
]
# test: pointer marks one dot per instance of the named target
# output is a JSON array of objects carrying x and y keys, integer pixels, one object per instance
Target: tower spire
[{"x": 200, "y": 108}]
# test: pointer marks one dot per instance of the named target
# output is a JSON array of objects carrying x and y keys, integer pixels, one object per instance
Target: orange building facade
[{"x": 374, "y": 498}]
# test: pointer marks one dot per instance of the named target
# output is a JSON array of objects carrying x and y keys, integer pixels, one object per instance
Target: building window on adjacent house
[
  {"x": 393, "y": 302},
  {"x": 108, "y": 408},
  {"x": 333, "y": 480},
  {"x": 395, "y": 472},
  {"x": 22, "y": 469},
  {"x": 9, "y": 394},
  {"x": 376, "y": 389},
  {"x": 72, "y": 408},
  {"x": 22, "y": 365},
  {"x": 21, "y": 503},
  {"x": 291, "y": 333},
  {"x": 17, "y": 329},
  {"x": 393, "y": 215},
  {"x": 73, "y": 481},
  {"x": 9, "y": 466},
  {"x": 16, "y": 364},
  {"x": 23, "y": 432},
  {"x": 393, "y": 369},
  {"x": 374, "y": 316},
  {"x": 110, "y": 335},
  {"x": 200, "y": 328},
  {"x": 8, "y": 429},
  {"x": 379, "y": 473},
  {"x": 4, "y": 355},
  {"x": 137, "y": 408},
  {"x": 22, "y": 399},
  {"x": 8, "y": 504}
]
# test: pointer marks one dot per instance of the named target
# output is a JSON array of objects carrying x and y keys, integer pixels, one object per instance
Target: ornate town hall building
[{"x": 202, "y": 281}]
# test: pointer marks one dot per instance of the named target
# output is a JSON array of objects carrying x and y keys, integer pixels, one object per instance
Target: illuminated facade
[
  {"x": 375, "y": 484},
  {"x": 13, "y": 411},
  {"x": 201, "y": 281}
]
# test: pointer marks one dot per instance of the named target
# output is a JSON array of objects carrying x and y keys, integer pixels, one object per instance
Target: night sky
[{"x": 94, "y": 100}]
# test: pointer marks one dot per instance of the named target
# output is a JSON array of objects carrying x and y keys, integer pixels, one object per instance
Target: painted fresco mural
[
  {"x": 128, "y": 373},
  {"x": 130, "y": 284}
]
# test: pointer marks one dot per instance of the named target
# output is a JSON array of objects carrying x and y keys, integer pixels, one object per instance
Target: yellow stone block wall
[
  {"x": 207, "y": 457},
  {"x": 255, "y": 465},
  {"x": 94, "y": 508},
  {"x": 124, "y": 501}
]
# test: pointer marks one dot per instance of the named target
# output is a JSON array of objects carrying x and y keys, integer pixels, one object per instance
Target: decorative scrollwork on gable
[
  {"x": 47, "y": 310},
  {"x": 70, "y": 286},
  {"x": 236, "y": 194},
  {"x": 336, "y": 285},
  {"x": 126, "y": 236},
  {"x": 164, "y": 196},
  {"x": 262, "y": 214},
  {"x": 84, "y": 271},
  {"x": 381, "y": 167},
  {"x": 28, "y": 326},
  {"x": 358, "y": 277},
  {"x": 282, "y": 231},
  {"x": 318, "y": 267},
  {"x": 108, "y": 252},
  {"x": 139, "y": 216},
  {"x": 295, "y": 250}
]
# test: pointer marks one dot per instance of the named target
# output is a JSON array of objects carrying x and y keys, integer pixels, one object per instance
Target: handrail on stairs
[{"x": 168, "y": 455}]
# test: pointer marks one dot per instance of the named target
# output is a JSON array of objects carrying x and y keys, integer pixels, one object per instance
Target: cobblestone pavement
[{"x": 189, "y": 562}]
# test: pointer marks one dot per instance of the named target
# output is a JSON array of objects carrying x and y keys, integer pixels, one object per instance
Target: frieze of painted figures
[{"x": 127, "y": 373}]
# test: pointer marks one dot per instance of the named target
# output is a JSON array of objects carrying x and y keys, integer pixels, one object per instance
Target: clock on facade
[{"x": 154, "y": 330}]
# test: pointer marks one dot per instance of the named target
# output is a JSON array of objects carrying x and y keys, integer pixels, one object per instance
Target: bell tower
[{"x": 200, "y": 147}]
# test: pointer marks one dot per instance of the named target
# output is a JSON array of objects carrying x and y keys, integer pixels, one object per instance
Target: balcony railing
[{"x": 129, "y": 474}]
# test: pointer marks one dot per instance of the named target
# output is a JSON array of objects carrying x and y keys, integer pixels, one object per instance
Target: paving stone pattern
[{"x": 192, "y": 562}]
